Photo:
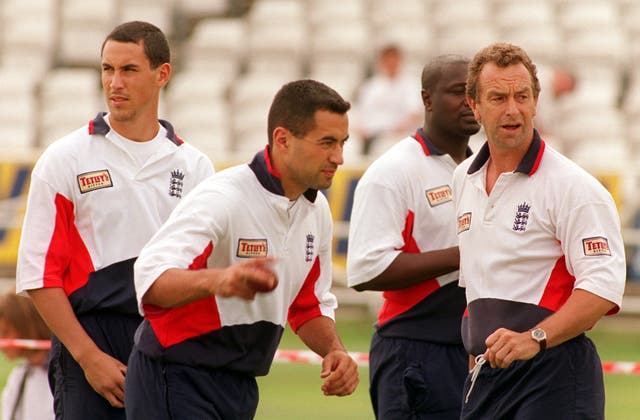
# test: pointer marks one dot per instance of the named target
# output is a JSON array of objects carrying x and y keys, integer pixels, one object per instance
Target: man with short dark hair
[
  {"x": 96, "y": 197},
  {"x": 244, "y": 253}
]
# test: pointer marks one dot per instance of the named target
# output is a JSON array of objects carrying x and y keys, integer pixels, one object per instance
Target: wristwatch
[{"x": 540, "y": 336}]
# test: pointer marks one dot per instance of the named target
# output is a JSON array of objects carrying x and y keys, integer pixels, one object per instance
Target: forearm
[
  {"x": 177, "y": 287},
  {"x": 104, "y": 373},
  {"x": 579, "y": 313},
  {"x": 55, "y": 309},
  {"x": 409, "y": 269},
  {"x": 320, "y": 335}
]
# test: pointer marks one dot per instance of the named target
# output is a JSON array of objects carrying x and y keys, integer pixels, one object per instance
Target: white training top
[
  {"x": 383, "y": 103},
  {"x": 239, "y": 213},
  {"x": 546, "y": 229},
  {"x": 403, "y": 203},
  {"x": 92, "y": 206}
]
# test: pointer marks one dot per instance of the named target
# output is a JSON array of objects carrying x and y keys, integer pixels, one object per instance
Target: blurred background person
[
  {"x": 26, "y": 395},
  {"x": 388, "y": 105},
  {"x": 556, "y": 83}
]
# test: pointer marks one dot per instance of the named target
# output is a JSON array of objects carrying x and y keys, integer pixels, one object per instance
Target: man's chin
[
  {"x": 322, "y": 185},
  {"x": 120, "y": 115}
]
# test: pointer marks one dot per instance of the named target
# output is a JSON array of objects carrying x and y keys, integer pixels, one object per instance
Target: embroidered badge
[
  {"x": 522, "y": 217},
  {"x": 308, "y": 252},
  {"x": 597, "y": 245},
  {"x": 464, "y": 222},
  {"x": 250, "y": 248},
  {"x": 439, "y": 195},
  {"x": 176, "y": 184},
  {"x": 91, "y": 181}
]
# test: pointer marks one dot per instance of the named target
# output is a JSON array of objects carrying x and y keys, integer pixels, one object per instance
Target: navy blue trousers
[
  {"x": 73, "y": 396},
  {"x": 158, "y": 390},
  {"x": 564, "y": 382},
  {"x": 413, "y": 379}
]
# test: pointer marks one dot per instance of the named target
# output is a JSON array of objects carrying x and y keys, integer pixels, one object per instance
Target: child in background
[{"x": 26, "y": 395}]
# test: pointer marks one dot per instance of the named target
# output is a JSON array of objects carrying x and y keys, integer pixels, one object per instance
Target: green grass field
[{"x": 292, "y": 391}]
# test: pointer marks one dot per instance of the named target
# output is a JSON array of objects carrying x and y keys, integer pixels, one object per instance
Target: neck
[
  {"x": 454, "y": 146},
  {"x": 504, "y": 160},
  {"x": 136, "y": 130},
  {"x": 291, "y": 189}
]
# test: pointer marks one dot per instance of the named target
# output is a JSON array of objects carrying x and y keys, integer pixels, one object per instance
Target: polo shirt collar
[
  {"x": 529, "y": 163},
  {"x": 269, "y": 178},
  {"x": 99, "y": 126},
  {"x": 428, "y": 147}
]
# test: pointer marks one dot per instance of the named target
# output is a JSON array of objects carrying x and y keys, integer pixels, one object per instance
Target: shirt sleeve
[
  {"x": 190, "y": 233},
  {"x": 375, "y": 230},
  {"x": 591, "y": 240},
  {"x": 47, "y": 230}
]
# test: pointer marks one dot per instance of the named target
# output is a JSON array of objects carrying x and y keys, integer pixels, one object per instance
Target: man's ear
[
  {"x": 472, "y": 105},
  {"x": 426, "y": 99},
  {"x": 281, "y": 137},
  {"x": 164, "y": 74}
]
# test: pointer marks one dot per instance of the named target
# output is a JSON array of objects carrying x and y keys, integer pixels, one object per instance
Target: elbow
[
  {"x": 150, "y": 299},
  {"x": 361, "y": 287}
]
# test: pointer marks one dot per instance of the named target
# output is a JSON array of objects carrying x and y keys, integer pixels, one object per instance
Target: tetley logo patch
[
  {"x": 597, "y": 245},
  {"x": 250, "y": 248},
  {"x": 91, "y": 181},
  {"x": 464, "y": 222},
  {"x": 439, "y": 195}
]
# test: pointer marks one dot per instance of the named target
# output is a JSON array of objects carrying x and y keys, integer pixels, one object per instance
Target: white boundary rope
[
  {"x": 23, "y": 343},
  {"x": 309, "y": 357}
]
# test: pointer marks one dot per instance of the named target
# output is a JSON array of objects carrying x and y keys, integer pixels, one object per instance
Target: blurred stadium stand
[{"x": 230, "y": 57}]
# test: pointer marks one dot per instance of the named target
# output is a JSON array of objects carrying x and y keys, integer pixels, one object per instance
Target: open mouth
[{"x": 511, "y": 127}]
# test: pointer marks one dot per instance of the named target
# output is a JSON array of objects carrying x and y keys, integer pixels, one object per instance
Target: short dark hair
[
  {"x": 296, "y": 103},
  {"x": 433, "y": 71},
  {"x": 501, "y": 54},
  {"x": 156, "y": 46}
]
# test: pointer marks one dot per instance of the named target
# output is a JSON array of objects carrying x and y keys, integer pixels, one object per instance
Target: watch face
[{"x": 538, "y": 334}]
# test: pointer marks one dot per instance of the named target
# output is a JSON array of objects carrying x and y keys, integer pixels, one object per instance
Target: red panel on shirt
[
  {"x": 306, "y": 305},
  {"x": 559, "y": 287},
  {"x": 397, "y": 302},
  {"x": 191, "y": 320},
  {"x": 67, "y": 263}
]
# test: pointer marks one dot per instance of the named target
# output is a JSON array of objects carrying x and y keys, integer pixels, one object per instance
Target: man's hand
[
  {"x": 246, "y": 279},
  {"x": 105, "y": 375},
  {"x": 341, "y": 373},
  {"x": 505, "y": 346}
]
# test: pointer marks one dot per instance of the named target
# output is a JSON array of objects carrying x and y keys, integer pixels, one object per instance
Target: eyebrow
[
  {"x": 496, "y": 91},
  {"x": 333, "y": 138},
  {"x": 124, "y": 66}
]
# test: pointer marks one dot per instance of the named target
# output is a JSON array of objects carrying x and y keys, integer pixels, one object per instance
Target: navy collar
[
  {"x": 428, "y": 147},
  {"x": 98, "y": 125},
  {"x": 269, "y": 178},
  {"x": 529, "y": 163}
]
